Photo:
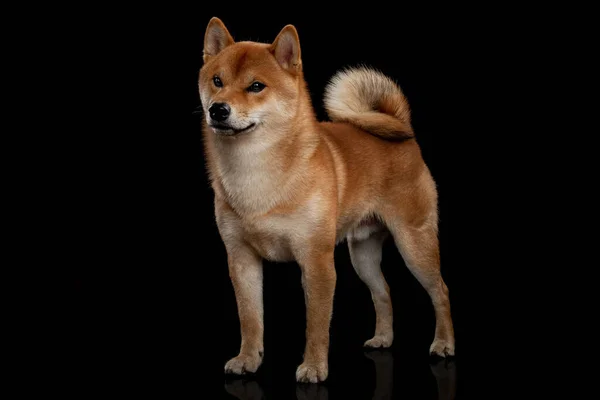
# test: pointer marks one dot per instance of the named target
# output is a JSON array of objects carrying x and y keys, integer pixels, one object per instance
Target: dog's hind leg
[
  {"x": 366, "y": 255},
  {"x": 417, "y": 240}
]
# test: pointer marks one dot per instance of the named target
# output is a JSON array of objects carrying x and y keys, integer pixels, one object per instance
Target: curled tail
[{"x": 370, "y": 100}]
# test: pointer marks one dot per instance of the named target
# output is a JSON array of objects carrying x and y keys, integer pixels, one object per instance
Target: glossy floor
[{"x": 376, "y": 374}]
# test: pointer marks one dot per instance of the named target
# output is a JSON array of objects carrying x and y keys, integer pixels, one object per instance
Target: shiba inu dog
[{"x": 290, "y": 188}]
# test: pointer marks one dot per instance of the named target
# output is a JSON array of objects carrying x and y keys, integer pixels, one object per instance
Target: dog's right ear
[{"x": 216, "y": 38}]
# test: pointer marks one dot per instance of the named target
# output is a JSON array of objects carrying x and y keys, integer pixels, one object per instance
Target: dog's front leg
[
  {"x": 246, "y": 272},
  {"x": 318, "y": 279}
]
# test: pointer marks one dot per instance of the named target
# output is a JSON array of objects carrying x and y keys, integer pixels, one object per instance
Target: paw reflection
[
  {"x": 445, "y": 375},
  {"x": 444, "y": 371},
  {"x": 311, "y": 391},
  {"x": 384, "y": 373},
  {"x": 244, "y": 389}
]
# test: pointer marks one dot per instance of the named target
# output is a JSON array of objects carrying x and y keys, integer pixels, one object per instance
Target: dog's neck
[{"x": 256, "y": 172}]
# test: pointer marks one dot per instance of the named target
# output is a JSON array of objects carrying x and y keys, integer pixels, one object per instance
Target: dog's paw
[
  {"x": 243, "y": 364},
  {"x": 312, "y": 373},
  {"x": 442, "y": 348},
  {"x": 380, "y": 342}
]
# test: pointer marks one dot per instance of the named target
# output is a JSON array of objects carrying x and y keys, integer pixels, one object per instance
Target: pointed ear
[
  {"x": 286, "y": 49},
  {"x": 216, "y": 38}
]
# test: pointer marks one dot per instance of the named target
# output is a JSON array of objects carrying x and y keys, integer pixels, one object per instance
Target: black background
[{"x": 150, "y": 262}]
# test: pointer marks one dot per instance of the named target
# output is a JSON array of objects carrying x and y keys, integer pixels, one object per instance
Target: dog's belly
[
  {"x": 363, "y": 229},
  {"x": 273, "y": 248},
  {"x": 271, "y": 237},
  {"x": 278, "y": 235},
  {"x": 275, "y": 244}
]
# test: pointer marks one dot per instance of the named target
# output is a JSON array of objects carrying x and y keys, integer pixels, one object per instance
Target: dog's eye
[
  {"x": 256, "y": 87},
  {"x": 217, "y": 82}
]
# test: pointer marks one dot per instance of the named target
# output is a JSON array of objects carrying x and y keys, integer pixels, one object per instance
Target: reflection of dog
[
  {"x": 444, "y": 372},
  {"x": 245, "y": 390},
  {"x": 289, "y": 188},
  {"x": 384, "y": 373},
  {"x": 445, "y": 376}
]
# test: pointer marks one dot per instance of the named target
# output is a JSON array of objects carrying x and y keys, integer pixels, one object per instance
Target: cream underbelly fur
[{"x": 254, "y": 195}]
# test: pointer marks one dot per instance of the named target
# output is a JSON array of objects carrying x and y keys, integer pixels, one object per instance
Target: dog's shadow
[{"x": 444, "y": 371}]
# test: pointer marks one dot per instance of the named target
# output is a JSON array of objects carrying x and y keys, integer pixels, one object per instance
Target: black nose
[{"x": 219, "y": 112}]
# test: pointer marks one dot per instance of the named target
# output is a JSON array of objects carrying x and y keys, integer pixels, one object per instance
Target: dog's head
[{"x": 247, "y": 86}]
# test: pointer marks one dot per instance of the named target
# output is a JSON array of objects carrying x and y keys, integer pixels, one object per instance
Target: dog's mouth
[{"x": 227, "y": 130}]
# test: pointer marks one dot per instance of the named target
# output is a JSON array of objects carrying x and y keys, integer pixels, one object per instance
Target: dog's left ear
[{"x": 286, "y": 49}]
